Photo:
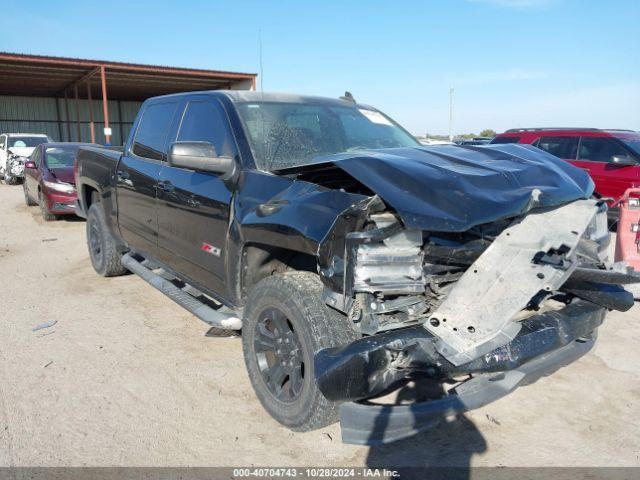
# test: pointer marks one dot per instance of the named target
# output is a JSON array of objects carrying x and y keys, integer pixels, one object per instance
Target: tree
[{"x": 488, "y": 133}]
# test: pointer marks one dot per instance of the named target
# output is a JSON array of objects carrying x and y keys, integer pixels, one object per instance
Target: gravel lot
[{"x": 125, "y": 377}]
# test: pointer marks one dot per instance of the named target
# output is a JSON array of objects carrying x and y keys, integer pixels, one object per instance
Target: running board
[{"x": 225, "y": 320}]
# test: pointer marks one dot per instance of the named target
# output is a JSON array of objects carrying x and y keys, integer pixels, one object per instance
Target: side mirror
[
  {"x": 29, "y": 164},
  {"x": 623, "y": 160},
  {"x": 201, "y": 156}
]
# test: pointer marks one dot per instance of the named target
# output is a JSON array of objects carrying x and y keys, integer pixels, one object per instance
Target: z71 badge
[{"x": 205, "y": 247}]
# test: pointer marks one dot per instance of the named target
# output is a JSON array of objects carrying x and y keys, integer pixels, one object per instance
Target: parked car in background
[
  {"x": 49, "y": 179},
  {"x": 433, "y": 141},
  {"x": 474, "y": 141},
  {"x": 611, "y": 157},
  {"x": 15, "y": 148}
]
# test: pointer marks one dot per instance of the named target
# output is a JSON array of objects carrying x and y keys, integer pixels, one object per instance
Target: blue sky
[{"x": 512, "y": 63}]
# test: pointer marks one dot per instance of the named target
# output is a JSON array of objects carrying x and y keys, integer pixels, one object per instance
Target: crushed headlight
[{"x": 60, "y": 186}]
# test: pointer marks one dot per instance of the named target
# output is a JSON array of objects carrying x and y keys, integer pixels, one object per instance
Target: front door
[
  {"x": 137, "y": 177},
  {"x": 596, "y": 156},
  {"x": 193, "y": 207}
]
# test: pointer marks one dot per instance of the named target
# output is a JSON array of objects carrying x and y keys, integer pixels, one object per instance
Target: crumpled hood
[
  {"x": 64, "y": 174},
  {"x": 453, "y": 188},
  {"x": 22, "y": 151}
]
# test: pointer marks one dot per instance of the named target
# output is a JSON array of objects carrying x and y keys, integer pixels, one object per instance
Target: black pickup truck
[{"x": 354, "y": 260}]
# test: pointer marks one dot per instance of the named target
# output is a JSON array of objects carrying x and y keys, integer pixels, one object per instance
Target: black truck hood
[{"x": 453, "y": 188}]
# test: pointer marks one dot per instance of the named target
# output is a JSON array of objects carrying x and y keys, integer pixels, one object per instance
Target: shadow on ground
[{"x": 449, "y": 442}]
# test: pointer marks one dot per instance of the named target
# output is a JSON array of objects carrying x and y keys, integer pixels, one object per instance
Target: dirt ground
[{"x": 125, "y": 377}]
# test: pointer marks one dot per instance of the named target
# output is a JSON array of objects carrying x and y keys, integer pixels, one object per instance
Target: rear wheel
[
  {"x": 285, "y": 324},
  {"x": 44, "y": 210},
  {"x": 105, "y": 258}
]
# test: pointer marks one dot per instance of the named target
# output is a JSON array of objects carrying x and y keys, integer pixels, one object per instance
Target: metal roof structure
[
  {"x": 59, "y": 77},
  {"x": 36, "y": 75}
]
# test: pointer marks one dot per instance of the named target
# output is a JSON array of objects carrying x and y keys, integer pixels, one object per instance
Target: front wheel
[
  {"x": 27, "y": 198},
  {"x": 285, "y": 324},
  {"x": 44, "y": 210},
  {"x": 104, "y": 255}
]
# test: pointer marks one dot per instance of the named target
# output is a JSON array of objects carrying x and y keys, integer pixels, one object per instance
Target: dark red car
[
  {"x": 612, "y": 157},
  {"x": 49, "y": 179}
]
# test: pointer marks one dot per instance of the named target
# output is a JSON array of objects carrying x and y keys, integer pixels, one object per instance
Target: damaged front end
[{"x": 482, "y": 311}]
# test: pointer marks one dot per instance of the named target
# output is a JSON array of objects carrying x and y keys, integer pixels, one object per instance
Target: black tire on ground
[
  {"x": 285, "y": 318},
  {"x": 105, "y": 258},
  {"x": 27, "y": 199},
  {"x": 46, "y": 215}
]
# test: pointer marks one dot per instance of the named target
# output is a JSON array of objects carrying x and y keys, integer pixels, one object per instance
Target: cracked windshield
[{"x": 283, "y": 135}]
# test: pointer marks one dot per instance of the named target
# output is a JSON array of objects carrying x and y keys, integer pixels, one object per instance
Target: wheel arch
[{"x": 259, "y": 260}]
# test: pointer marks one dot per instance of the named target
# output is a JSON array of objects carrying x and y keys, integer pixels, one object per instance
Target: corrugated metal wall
[{"x": 40, "y": 115}]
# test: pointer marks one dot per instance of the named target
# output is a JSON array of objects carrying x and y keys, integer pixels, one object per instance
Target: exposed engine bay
[
  {"x": 477, "y": 269},
  {"x": 485, "y": 300}
]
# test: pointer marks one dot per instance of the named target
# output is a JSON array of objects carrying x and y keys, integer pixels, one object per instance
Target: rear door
[
  {"x": 138, "y": 173},
  {"x": 32, "y": 175},
  {"x": 596, "y": 156},
  {"x": 564, "y": 147},
  {"x": 193, "y": 207}
]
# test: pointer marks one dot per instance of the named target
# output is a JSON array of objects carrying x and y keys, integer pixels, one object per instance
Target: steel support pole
[
  {"x": 78, "y": 131},
  {"x": 66, "y": 111},
  {"x": 105, "y": 106},
  {"x": 121, "y": 122},
  {"x": 59, "y": 120},
  {"x": 90, "y": 102}
]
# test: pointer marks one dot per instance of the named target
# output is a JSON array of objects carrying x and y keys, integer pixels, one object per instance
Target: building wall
[{"x": 42, "y": 115}]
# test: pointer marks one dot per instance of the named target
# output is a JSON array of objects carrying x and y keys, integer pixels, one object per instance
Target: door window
[
  {"x": 204, "y": 121},
  {"x": 35, "y": 157},
  {"x": 600, "y": 149},
  {"x": 151, "y": 135},
  {"x": 561, "y": 147}
]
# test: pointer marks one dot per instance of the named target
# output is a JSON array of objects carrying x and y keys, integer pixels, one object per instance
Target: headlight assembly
[{"x": 60, "y": 186}]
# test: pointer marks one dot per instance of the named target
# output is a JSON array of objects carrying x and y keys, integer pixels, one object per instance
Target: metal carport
[{"x": 92, "y": 100}]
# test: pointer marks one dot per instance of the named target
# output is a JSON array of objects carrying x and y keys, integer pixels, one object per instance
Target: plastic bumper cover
[{"x": 60, "y": 204}]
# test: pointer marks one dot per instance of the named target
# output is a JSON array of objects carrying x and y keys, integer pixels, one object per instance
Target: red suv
[{"x": 611, "y": 157}]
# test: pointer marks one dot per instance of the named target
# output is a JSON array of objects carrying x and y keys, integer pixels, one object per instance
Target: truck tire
[
  {"x": 105, "y": 258},
  {"x": 46, "y": 215},
  {"x": 27, "y": 199},
  {"x": 285, "y": 323}
]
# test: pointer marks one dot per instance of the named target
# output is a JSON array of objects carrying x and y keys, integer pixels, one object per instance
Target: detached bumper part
[
  {"x": 371, "y": 365},
  {"x": 366, "y": 424}
]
